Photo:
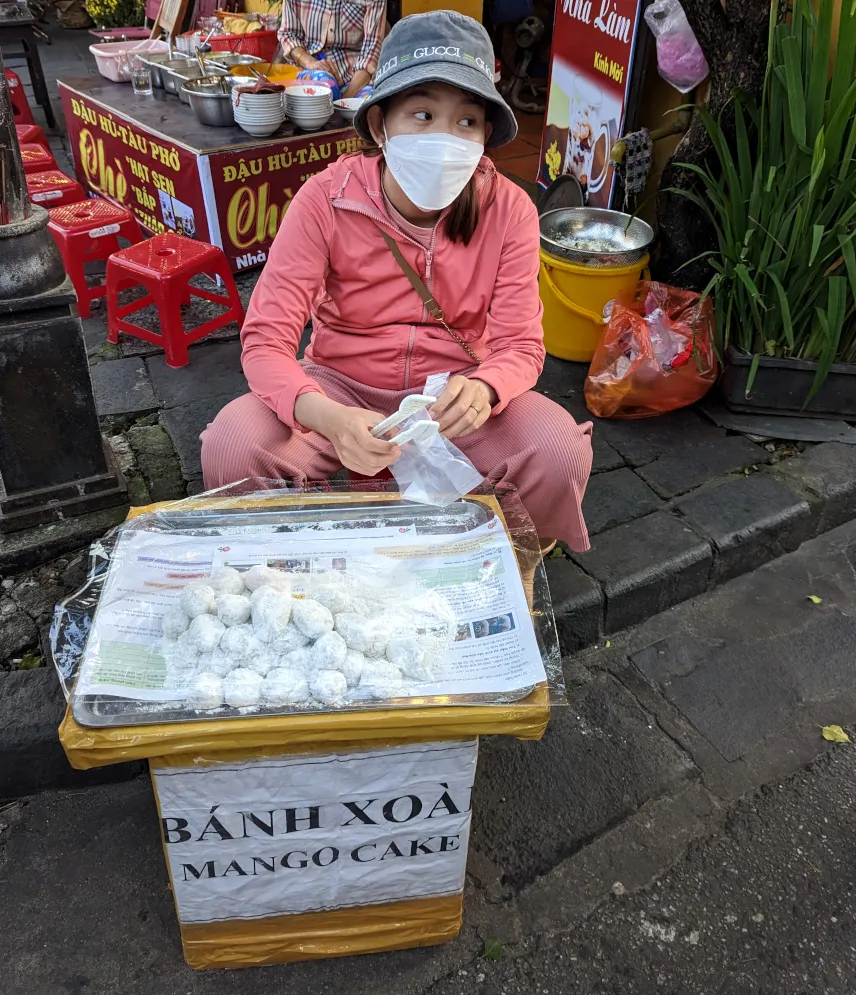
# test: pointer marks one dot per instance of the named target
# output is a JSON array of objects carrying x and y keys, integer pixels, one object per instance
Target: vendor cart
[
  {"x": 152, "y": 156},
  {"x": 299, "y": 826}
]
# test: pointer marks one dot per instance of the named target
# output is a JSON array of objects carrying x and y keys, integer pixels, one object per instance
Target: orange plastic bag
[{"x": 656, "y": 353}]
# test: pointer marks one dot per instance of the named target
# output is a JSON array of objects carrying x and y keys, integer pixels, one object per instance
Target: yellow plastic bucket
[{"x": 574, "y": 297}]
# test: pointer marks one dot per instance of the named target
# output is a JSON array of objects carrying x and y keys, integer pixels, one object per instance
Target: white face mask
[{"x": 431, "y": 169}]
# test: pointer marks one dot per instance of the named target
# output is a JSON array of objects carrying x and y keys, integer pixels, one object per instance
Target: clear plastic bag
[
  {"x": 443, "y": 584},
  {"x": 431, "y": 470},
  {"x": 680, "y": 59}
]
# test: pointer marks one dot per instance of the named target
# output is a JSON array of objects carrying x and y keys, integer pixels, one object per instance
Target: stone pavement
[{"x": 666, "y": 730}]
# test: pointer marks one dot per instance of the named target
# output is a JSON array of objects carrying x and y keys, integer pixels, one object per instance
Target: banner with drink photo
[{"x": 593, "y": 47}]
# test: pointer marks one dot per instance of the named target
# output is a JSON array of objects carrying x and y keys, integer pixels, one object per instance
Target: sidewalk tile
[
  {"x": 646, "y": 566},
  {"x": 690, "y": 466},
  {"x": 122, "y": 387},
  {"x": 213, "y": 371},
  {"x": 615, "y": 498}
]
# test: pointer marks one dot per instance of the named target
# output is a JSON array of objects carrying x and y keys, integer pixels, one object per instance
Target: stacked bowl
[
  {"x": 259, "y": 114},
  {"x": 309, "y": 106}
]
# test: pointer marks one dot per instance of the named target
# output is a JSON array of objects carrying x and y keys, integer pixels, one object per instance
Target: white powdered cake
[
  {"x": 205, "y": 633},
  {"x": 233, "y": 609},
  {"x": 285, "y": 686},
  {"x": 329, "y": 652},
  {"x": 288, "y": 639},
  {"x": 381, "y": 679},
  {"x": 205, "y": 692},
  {"x": 240, "y": 642},
  {"x": 407, "y": 653},
  {"x": 259, "y": 576},
  {"x": 352, "y": 667},
  {"x": 243, "y": 639},
  {"x": 226, "y": 580},
  {"x": 271, "y": 613},
  {"x": 174, "y": 622},
  {"x": 198, "y": 598},
  {"x": 312, "y": 619},
  {"x": 328, "y": 686},
  {"x": 242, "y": 688}
]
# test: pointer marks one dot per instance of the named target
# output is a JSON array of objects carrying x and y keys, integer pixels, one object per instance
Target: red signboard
[
  {"x": 155, "y": 179},
  {"x": 253, "y": 188},
  {"x": 593, "y": 45}
]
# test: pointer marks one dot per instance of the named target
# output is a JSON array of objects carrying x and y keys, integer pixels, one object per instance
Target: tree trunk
[
  {"x": 14, "y": 199},
  {"x": 734, "y": 42}
]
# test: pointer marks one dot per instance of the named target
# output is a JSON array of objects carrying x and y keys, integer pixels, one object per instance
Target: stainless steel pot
[
  {"x": 173, "y": 74},
  {"x": 156, "y": 61},
  {"x": 593, "y": 236},
  {"x": 210, "y": 99},
  {"x": 228, "y": 59},
  {"x": 191, "y": 72}
]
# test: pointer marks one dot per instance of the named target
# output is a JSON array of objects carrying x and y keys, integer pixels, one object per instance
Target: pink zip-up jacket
[{"x": 330, "y": 260}]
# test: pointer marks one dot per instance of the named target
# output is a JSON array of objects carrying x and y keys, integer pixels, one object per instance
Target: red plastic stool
[
  {"x": 164, "y": 265},
  {"x": 87, "y": 232},
  {"x": 31, "y": 133},
  {"x": 53, "y": 188},
  {"x": 20, "y": 106},
  {"x": 37, "y": 158}
]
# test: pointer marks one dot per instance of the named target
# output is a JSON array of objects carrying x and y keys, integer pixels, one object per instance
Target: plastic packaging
[
  {"x": 680, "y": 59},
  {"x": 430, "y": 469},
  {"x": 441, "y": 591},
  {"x": 656, "y": 353},
  {"x": 282, "y": 855}
]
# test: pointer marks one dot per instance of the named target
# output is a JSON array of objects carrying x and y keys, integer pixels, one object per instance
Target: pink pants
[{"x": 533, "y": 444}]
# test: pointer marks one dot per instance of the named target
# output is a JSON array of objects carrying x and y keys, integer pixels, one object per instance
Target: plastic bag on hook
[{"x": 680, "y": 59}]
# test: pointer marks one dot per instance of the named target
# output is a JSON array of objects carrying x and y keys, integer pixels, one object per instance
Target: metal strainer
[{"x": 593, "y": 236}]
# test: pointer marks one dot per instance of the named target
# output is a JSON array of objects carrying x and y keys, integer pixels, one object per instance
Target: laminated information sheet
[
  {"x": 491, "y": 647},
  {"x": 303, "y": 833}
]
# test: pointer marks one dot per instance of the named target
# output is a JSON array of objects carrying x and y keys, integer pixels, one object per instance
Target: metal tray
[{"x": 107, "y": 711}]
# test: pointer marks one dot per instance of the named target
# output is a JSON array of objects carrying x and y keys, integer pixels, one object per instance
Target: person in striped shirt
[{"x": 346, "y": 33}]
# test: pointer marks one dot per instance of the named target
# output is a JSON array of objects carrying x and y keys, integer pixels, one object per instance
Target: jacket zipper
[{"x": 429, "y": 258}]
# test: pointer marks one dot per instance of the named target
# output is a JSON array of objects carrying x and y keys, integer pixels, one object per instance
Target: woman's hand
[
  {"x": 463, "y": 407},
  {"x": 348, "y": 429},
  {"x": 360, "y": 79}
]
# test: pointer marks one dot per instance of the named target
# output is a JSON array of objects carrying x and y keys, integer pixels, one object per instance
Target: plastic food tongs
[{"x": 422, "y": 431}]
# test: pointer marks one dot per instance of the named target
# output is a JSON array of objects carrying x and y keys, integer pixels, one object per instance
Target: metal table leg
[{"x": 37, "y": 77}]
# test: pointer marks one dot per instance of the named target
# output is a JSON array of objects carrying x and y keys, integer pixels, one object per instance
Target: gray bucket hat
[{"x": 440, "y": 46}]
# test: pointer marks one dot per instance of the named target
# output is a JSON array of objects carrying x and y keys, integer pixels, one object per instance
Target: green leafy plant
[
  {"x": 781, "y": 195},
  {"x": 116, "y": 13}
]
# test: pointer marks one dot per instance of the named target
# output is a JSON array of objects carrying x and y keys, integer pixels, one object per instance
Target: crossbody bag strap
[{"x": 432, "y": 306}]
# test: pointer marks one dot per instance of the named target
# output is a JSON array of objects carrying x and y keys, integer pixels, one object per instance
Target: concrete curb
[
  {"x": 31, "y": 758},
  {"x": 703, "y": 539}
]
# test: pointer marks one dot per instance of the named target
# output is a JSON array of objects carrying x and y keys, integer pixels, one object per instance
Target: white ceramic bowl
[
  {"x": 311, "y": 124},
  {"x": 301, "y": 91},
  {"x": 258, "y": 130},
  {"x": 259, "y": 111},
  {"x": 256, "y": 100},
  {"x": 309, "y": 108},
  {"x": 348, "y": 106}
]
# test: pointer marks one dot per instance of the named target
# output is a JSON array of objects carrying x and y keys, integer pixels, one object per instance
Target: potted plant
[
  {"x": 116, "y": 13},
  {"x": 781, "y": 196}
]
